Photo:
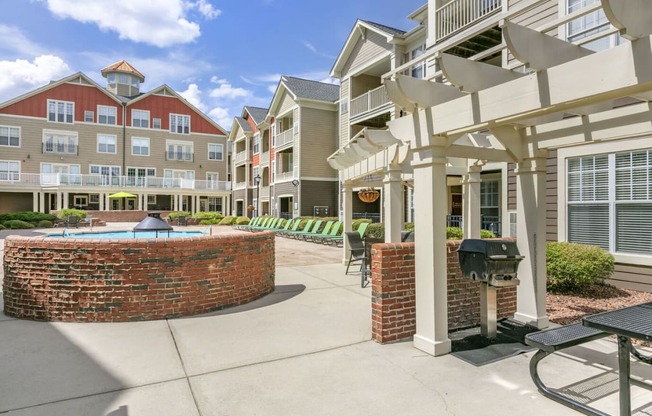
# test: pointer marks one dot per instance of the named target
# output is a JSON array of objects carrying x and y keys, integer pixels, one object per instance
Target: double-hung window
[
  {"x": 106, "y": 143},
  {"x": 179, "y": 151},
  {"x": 9, "y": 136},
  {"x": 140, "y": 146},
  {"x": 256, "y": 143},
  {"x": 61, "y": 111},
  {"x": 9, "y": 170},
  {"x": 418, "y": 70},
  {"x": 140, "y": 118},
  {"x": 215, "y": 151},
  {"x": 179, "y": 123},
  {"x": 107, "y": 115},
  {"x": 60, "y": 142},
  {"x": 589, "y": 25}
]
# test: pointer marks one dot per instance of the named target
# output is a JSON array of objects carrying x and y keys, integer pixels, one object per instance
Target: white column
[
  {"x": 35, "y": 199},
  {"x": 531, "y": 241},
  {"x": 42, "y": 202},
  {"x": 59, "y": 201},
  {"x": 430, "y": 251},
  {"x": 393, "y": 204},
  {"x": 140, "y": 201},
  {"x": 347, "y": 220},
  {"x": 226, "y": 202},
  {"x": 471, "y": 223}
]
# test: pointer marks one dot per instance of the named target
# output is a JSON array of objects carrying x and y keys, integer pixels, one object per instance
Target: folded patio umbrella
[{"x": 122, "y": 194}]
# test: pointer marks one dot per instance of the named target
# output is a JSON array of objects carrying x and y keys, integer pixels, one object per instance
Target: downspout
[{"x": 124, "y": 139}]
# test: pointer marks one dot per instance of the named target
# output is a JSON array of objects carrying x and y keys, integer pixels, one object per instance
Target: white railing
[
  {"x": 369, "y": 101},
  {"x": 264, "y": 158},
  {"x": 89, "y": 182},
  {"x": 460, "y": 14},
  {"x": 240, "y": 157},
  {"x": 240, "y": 185},
  {"x": 287, "y": 176},
  {"x": 285, "y": 139}
]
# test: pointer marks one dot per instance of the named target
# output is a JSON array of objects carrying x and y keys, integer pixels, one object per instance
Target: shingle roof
[
  {"x": 312, "y": 90},
  {"x": 387, "y": 29},
  {"x": 243, "y": 124},
  {"x": 123, "y": 66},
  {"x": 257, "y": 113}
]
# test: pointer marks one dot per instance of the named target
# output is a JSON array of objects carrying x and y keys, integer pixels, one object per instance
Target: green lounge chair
[
  {"x": 307, "y": 230},
  {"x": 295, "y": 227},
  {"x": 270, "y": 225},
  {"x": 307, "y": 227},
  {"x": 252, "y": 223},
  {"x": 264, "y": 224},
  {"x": 324, "y": 232},
  {"x": 283, "y": 228},
  {"x": 362, "y": 229},
  {"x": 334, "y": 234}
]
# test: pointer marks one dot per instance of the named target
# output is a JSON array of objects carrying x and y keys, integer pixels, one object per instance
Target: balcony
[
  {"x": 287, "y": 176},
  {"x": 180, "y": 156},
  {"x": 91, "y": 183},
  {"x": 240, "y": 185},
  {"x": 240, "y": 157},
  {"x": 264, "y": 158},
  {"x": 457, "y": 15},
  {"x": 264, "y": 192},
  {"x": 60, "y": 148},
  {"x": 284, "y": 140},
  {"x": 370, "y": 104}
]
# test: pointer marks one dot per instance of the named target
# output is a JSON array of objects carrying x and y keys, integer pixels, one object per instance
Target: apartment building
[
  {"x": 73, "y": 143},
  {"x": 280, "y": 163}
]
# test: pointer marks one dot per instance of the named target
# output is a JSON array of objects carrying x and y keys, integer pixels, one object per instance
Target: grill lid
[{"x": 153, "y": 222}]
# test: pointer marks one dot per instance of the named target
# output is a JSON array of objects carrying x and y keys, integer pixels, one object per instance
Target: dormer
[{"x": 123, "y": 79}]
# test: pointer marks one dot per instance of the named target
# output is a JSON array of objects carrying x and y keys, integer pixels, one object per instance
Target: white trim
[
  {"x": 47, "y": 111},
  {"x": 209, "y": 151},
  {"x": 149, "y": 146},
  {"x": 115, "y": 144},
  {"x": 149, "y": 122},
  {"x": 20, "y": 141},
  {"x": 100, "y": 107}
]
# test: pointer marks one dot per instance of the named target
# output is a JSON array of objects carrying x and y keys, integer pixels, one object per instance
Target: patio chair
[
  {"x": 72, "y": 221},
  {"x": 290, "y": 234},
  {"x": 261, "y": 224},
  {"x": 358, "y": 254},
  {"x": 252, "y": 223},
  {"x": 307, "y": 230},
  {"x": 324, "y": 232},
  {"x": 86, "y": 221},
  {"x": 286, "y": 227},
  {"x": 182, "y": 220},
  {"x": 407, "y": 236},
  {"x": 362, "y": 229},
  {"x": 332, "y": 237},
  {"x": 295, "y": 227},
  {"x": 269, "y": 225}
]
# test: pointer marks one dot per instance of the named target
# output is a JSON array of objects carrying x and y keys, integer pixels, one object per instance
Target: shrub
[
  {"x": 487, "y": 234},
  {"x": 228, "y": 220},
  {"x": 356, "y": 223},
  {"x": 454, "y": 233},
  {"x": 375, "y": 230},
  {"x": 67, "y": 212},
  {"x": 175, "y": 215},
  {"x": 409, "y": 226},
  {"x": 2, "y": 227},
  {"x": 208, "y": 216},
  {"x": 18, "y": 225},
  {"x": 27, "y": 216},
  {"x": 242, "y": 221},
  {"x": 571, "y": 267},
  {"x": 44, "y": 224}
]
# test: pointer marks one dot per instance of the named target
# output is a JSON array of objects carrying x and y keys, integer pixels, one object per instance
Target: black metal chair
[
  {"x": 407, "y": 236},
  {"x": 358, "y": 254},
  {"x": 182, "y": 220}
]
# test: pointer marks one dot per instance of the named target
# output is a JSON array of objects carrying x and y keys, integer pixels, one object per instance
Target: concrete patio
[{"x": 304, "y": 349}]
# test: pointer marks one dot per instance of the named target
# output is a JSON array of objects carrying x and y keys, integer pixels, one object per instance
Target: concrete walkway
[{"x": 305, "y": 349}]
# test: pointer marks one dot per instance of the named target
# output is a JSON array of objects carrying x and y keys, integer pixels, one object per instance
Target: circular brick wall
[{"x": 95, "y": 280}]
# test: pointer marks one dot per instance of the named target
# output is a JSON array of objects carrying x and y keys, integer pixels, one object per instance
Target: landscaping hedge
[{"x": 570, "y": 267}]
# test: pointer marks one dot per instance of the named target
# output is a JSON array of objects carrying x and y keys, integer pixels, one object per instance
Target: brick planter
[
  {"x": 393, "y": 299},
  {"x": 94, "y": 280}
]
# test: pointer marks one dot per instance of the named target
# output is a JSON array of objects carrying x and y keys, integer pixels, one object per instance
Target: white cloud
[
  {"x": 16, "y": 41},
  {"x": 137, "y": 20},
  {"x": 20, "y": 76},
  {"x": 205, "y": 8},
  {"x": 193, "y": 95},
  {"x": 228, "y": 91},
  {"x": 222, "y": 116},
  {"x": 310, "y": 47}
]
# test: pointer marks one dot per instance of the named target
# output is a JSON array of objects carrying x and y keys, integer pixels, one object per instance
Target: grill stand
[{"x": 488, "y": 310}]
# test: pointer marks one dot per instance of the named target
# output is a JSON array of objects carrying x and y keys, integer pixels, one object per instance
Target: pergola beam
[
  {"x": 632, "y": 17},
  {"x": 473, "y": 76}
]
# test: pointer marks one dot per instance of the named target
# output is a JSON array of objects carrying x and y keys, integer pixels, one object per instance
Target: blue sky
[{"x": 218, "y": 54}]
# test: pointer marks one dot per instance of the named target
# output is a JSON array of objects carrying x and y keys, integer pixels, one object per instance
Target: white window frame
[
  {"x": 80, "y": 200},
  {"x": 133, "y": 146},
  {"x": 415, "y": 53},
  {"x": 221, "y": 152},
  {"x": 151, "y": 199},
  {"x": 105, "y": 140},
  {"x": 156, "y": 123},
  {"x": 599, "y": 23},
  {"x": 68, "y": 112},
  {"x": 135, "y": 111},
  {"x": 60, "y": 142},
  {"x": 93, "y": 198},
  {"x": 105, "y": 111},
  {"x": 255, "y": 143},
  {"x": 9, "y": 136},
  {"x": 89, "y": 116},
  {"x": 188, "y": 149},
  {"x": 274, "y": 134},
  {"x": 9, "y": 174},
  {"x": 180, "y": 122}
]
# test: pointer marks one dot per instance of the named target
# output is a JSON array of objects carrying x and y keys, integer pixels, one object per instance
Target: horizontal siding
[
  {"x": 537, "y": 17},
  {"x": 551, "y": 196},
  {"x": 366, "y": 50},
  {"x": 632, "y": 277},
  {"x": 286, "y": 103},
  {"x": 511, "y": 187},
  {"x": 318, "y": 141},
  {"x": 344, "y": 118},
  {"x": 318, "y": 193}
]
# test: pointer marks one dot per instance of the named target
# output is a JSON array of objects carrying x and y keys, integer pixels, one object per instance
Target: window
[
  {"x": 56, "y": 173},
  {"x": 106, "y": 143},
  {"x": 80, "y": 201},
  {"x": 60, "y": 142},
  {"x": 490, "y": 205},
  {"x": 273, "y": 170},
  {"x": 94, "y": 198},
  {"x": 418, "y": 70},
  {"x": 344, "y": 106},
  {"x": 215, "y": 204},
  {"x": 179, "y": 124},
  {"x": 9, "y": 136},
  {"x": 215, "y": 151},
  {"x": 273, "y": 134},
  {"x": 109, "y": 175},
  {"x": 181, "y": 151},
  {"x": 140, "y": 118},
  {"x": 89, "y": 116},
  {"x": 106, "y": 115},
  {"x": 61, "y": 111},
  {"x": 140, "y": 146},
  {"x": 138, "y": 176},
  {"x": 9, "y": 170},
  {"x": 212, "y": 180},
  {"x": 256, "y": 143},
  {"x": 156, "y": 123},
  {"x": 588, "y": 25},
  {"x": 151, "y": 199}
]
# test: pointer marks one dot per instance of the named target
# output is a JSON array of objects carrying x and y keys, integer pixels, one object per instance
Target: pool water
[{"x": 131, "y": 234}]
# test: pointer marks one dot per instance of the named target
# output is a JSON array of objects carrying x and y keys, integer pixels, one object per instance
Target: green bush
[
  {"x": 2, "y": 227},
  {"x": 18, "y": 225},
  {"x": 487, "y": 234},
  {"x": 175, "y": 215},
  {"x": 375, "y": 230},
  {"x": 228, "y": 220},
  {"x": 242, "y": 221},
  {"x": 356, "y": 223},
  {"x": 409, "y": 226},
  {"x": 27, "y": 216},
  {"x": 208, "y": 216},
  {"x": 571, "y": 267},
  {"x": 67, "y": 212},
  {"x": 454, "y": 233},
  {"x": 44, "y": 224}
]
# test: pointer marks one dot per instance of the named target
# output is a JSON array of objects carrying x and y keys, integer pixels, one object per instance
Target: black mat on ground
[{"x": 470, "y": 346}]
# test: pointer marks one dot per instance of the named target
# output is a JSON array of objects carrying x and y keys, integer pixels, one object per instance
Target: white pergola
[{"x": 488, "y": 113}]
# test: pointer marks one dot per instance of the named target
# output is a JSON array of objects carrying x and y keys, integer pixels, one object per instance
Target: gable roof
[
  {"x": 312, "y": 90},
  {"x": 246, "y": 127},
  {"x": 123, "y": 66},
  {"x": 390, "y": 30},
  {"x": 257, "y": 114}
]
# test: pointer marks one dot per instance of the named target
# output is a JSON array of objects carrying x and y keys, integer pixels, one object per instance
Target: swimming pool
[{"x": 131, "y": 234}]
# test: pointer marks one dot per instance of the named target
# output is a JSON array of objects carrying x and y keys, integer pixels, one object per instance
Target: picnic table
[{"x": 627, "y": 323}]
